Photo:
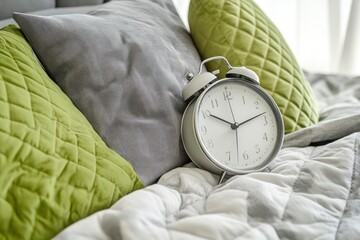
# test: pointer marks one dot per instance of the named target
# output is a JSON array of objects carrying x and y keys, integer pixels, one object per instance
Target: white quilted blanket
[{"x": 310, "y": 191}]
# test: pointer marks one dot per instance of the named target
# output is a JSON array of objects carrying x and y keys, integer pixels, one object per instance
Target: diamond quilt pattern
[
  {"x": 240, "y": 31},
  {"x": 54, "y": 168}
]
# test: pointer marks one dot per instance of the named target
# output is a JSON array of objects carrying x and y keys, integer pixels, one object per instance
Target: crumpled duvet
[{"x": 310, "y": 191}]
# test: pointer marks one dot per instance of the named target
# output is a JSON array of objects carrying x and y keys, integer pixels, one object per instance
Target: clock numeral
[
  {"x": 228, "y": 155},
  {"x": 245, "y": 156},
  {"x": 243, "y": 98},
  {"x": 265, "y": 137},
  {"x": 205, "y": 113},
  {"x": 210, "y": 143},
  {"x": 257, "y": 148},
  {"x": 214, "y": 103},
  {"x": 256, "y": 104},
  {"x": 227, "y": 95},
  {"x": 203, "y": 130},
  {"x": 265, "y": 119}
]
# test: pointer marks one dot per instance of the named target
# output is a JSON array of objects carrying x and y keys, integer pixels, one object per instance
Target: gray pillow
[
  {"x": 73, "y": 3},
  {"x": 124, "y": 66},
  {"x": 7, "y": 7},
  {"x": 52, "y": 11}
]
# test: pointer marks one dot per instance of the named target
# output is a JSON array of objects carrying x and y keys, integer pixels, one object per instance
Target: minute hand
[{"x": 238, "y": 124}]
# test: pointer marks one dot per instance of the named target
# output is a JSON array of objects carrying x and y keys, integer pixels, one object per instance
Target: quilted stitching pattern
[
  {"x": 240, "y": 31},
  {"x": 54, "y": 168}
]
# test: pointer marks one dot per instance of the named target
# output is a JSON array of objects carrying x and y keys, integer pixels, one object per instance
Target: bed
[
  {"x": 310, "y": 191},
  {"x": 70, "y": 171}
]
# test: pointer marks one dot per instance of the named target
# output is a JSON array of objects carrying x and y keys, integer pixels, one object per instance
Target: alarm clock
[{"x": 231, "y": 125}]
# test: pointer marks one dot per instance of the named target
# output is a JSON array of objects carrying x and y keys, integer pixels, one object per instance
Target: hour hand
[{"x": 221, "y": 119}]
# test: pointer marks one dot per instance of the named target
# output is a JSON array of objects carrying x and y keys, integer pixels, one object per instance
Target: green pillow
[
  {"x": 240, "y": 31},
  {"x": 54, "y": 168}
]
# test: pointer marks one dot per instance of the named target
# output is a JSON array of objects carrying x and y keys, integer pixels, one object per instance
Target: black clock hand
[
  {"x": 237, "y": 144},
  {"x": 221, "y": 119},
  {"x": 238, "y": 124}
]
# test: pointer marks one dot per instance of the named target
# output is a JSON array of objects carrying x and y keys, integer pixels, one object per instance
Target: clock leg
[{"x": 222, "y": 176}]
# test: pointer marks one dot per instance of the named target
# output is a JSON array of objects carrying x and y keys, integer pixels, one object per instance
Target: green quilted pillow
[
  {"x": 54, "y": 168},
  {"x": 240, "y": 31}
]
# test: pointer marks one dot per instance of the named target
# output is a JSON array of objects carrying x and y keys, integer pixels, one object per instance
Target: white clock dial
[{"x": 236, "y": 125}]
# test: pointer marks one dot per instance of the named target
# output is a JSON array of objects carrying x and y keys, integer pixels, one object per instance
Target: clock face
[{"x": 238, "y": 125}]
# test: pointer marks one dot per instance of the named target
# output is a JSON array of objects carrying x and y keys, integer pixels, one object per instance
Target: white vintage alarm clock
[{"x": 231, "y": 125}]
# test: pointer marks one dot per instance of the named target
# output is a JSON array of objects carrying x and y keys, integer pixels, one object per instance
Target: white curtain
[{"x": 323, "y": 34}]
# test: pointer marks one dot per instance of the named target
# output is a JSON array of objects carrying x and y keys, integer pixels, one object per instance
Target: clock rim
[{"x": 278, "y": 119}]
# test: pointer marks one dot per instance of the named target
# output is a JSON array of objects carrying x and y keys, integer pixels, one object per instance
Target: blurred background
[{"x": 324, "y": 35}]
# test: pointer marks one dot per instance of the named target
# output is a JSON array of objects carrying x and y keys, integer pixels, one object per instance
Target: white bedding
[{"x": 310, "y": 191}]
